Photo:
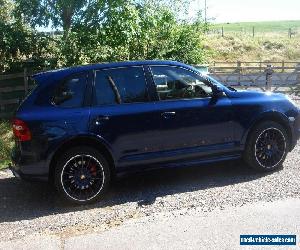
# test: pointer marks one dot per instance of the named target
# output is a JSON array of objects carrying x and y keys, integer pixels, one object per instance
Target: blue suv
[{"x": 81, "y": 126}]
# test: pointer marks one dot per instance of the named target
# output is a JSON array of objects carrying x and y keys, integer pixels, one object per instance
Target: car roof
[{"x": 61, "y": 73}]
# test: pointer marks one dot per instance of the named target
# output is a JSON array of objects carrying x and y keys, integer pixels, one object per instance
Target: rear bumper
[
  {"x": 27, "y": 167},
  {"x": 15, "y": 172},
  {"x": 21, "y": 174}
]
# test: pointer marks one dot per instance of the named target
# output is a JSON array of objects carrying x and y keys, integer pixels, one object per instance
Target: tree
[
  {"x": 136, "y": 32},
  {"x": 98, "y": 31},
  {"x": 62, "y": 14},
  {"x": 19, "y": 42},
  {"x": 13, "y": 36},
  {"x": 6, "y": 9}
]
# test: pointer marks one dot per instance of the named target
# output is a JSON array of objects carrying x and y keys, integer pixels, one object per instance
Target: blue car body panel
[{"x": 136, "y": 136}]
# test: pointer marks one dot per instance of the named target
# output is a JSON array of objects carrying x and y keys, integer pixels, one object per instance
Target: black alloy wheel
[
  {"x": 82, "y": 175},
  {"x": 270, "y": 147},
  {"x": 267, "y": 146}
]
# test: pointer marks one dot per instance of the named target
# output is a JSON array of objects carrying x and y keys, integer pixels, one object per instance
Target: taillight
[{"x": 21, "y": 130}]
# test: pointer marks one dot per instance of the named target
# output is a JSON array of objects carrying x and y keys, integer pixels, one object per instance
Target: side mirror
[{"x": 218, "y": 91}]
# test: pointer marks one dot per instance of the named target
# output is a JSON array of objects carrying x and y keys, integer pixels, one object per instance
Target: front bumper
[
  {"x": 295, "y": 130},
  {"x": 296, "y": 138}
]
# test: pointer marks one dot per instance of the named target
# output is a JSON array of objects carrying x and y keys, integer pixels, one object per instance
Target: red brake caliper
[{"x": 93, "y": 169}]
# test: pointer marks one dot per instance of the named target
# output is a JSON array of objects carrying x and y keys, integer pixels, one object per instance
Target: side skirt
[{"x": 178, "y": 164}]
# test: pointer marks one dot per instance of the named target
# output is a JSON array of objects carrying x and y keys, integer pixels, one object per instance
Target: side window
[
  {"x": 178, "y": 83},
  {"x": 120, "y": 85},
  {"x": 70, "y": 94}
]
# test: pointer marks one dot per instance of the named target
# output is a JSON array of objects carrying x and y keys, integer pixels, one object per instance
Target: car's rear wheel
[
  {"x": 82, "y": 175},
  {"x": 267, "y": 146}
]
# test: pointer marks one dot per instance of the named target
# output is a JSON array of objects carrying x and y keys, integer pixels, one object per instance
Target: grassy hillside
[
  {"x": 270, "y": 26},
  {"x": 243, "y": 48},
  {"x": 271, "y": 42}
]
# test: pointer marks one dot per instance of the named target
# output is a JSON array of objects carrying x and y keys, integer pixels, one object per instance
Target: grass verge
[{"x": 6, "y": 143}]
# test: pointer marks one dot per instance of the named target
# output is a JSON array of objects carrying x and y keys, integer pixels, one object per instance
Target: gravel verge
[{"x": 34, "y": 208}]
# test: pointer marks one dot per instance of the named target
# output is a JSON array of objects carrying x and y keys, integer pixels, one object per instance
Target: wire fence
[{"x": 253, "y": 31}]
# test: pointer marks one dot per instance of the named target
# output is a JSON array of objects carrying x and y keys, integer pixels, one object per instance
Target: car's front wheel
[
  {"x": 82, "y": 175},
  {"x": 267, "y": 146}
]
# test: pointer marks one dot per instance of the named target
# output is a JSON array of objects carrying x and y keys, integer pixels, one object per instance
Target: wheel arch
[
  {"x": 91, "y": 141},
  {"x": 270, "y": 116}
]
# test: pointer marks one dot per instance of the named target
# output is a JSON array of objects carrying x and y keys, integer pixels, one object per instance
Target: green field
[{"x": 268, "y": 26}]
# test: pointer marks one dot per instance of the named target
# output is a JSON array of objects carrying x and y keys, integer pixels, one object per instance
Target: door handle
[
  {"x": 100, "y": 119},
  {"x": 168, "y": 115}
]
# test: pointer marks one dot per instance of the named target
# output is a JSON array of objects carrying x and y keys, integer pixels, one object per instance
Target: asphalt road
[{"x": 219, "y": 229}]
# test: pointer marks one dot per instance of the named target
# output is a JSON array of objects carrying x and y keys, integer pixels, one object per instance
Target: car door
[
  {"x": 123, "y": 114},
  {"x": 192, "y": 119}
]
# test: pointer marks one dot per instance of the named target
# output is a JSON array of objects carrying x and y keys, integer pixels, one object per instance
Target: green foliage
[
  {"x": 18, "y": 43},
  {"x": 6, "y": 9},
  {"x": 134, "y": 32},
  {"x": 98, "y": 31},
  {"x": 63, "y": 14}
]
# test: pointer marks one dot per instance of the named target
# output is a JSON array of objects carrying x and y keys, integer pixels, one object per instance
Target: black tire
[
  {"x": 82, "y": 175},
  {"x": 267, "y": 146}
]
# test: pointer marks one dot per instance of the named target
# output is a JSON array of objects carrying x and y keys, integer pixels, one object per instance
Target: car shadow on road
[{"x": 20, "y": 200}]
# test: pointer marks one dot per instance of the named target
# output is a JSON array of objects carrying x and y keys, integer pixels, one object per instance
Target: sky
[{"x": 249, "y": 10}]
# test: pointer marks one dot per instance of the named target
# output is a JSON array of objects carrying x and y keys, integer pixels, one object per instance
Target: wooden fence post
[
  {"x": 269, "y": 71},
  {"x": 1, "y": 106},
  {"x": 222, "y": 31},
  {"x": 297, "y": 69},
  {"x": 253, "y": 31},
  {"x": 296, "y": 90},
  {"x": 260, "y": 66},
  {"x": 239, "y": 70},
  {"x": 25, "y": 81},
  {"x": 282, "y": 69}
]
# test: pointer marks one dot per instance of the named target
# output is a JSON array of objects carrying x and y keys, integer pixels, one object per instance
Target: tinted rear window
[
  {"x": 121, "y": 85},
  {"x": 70, "y": 93}
]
